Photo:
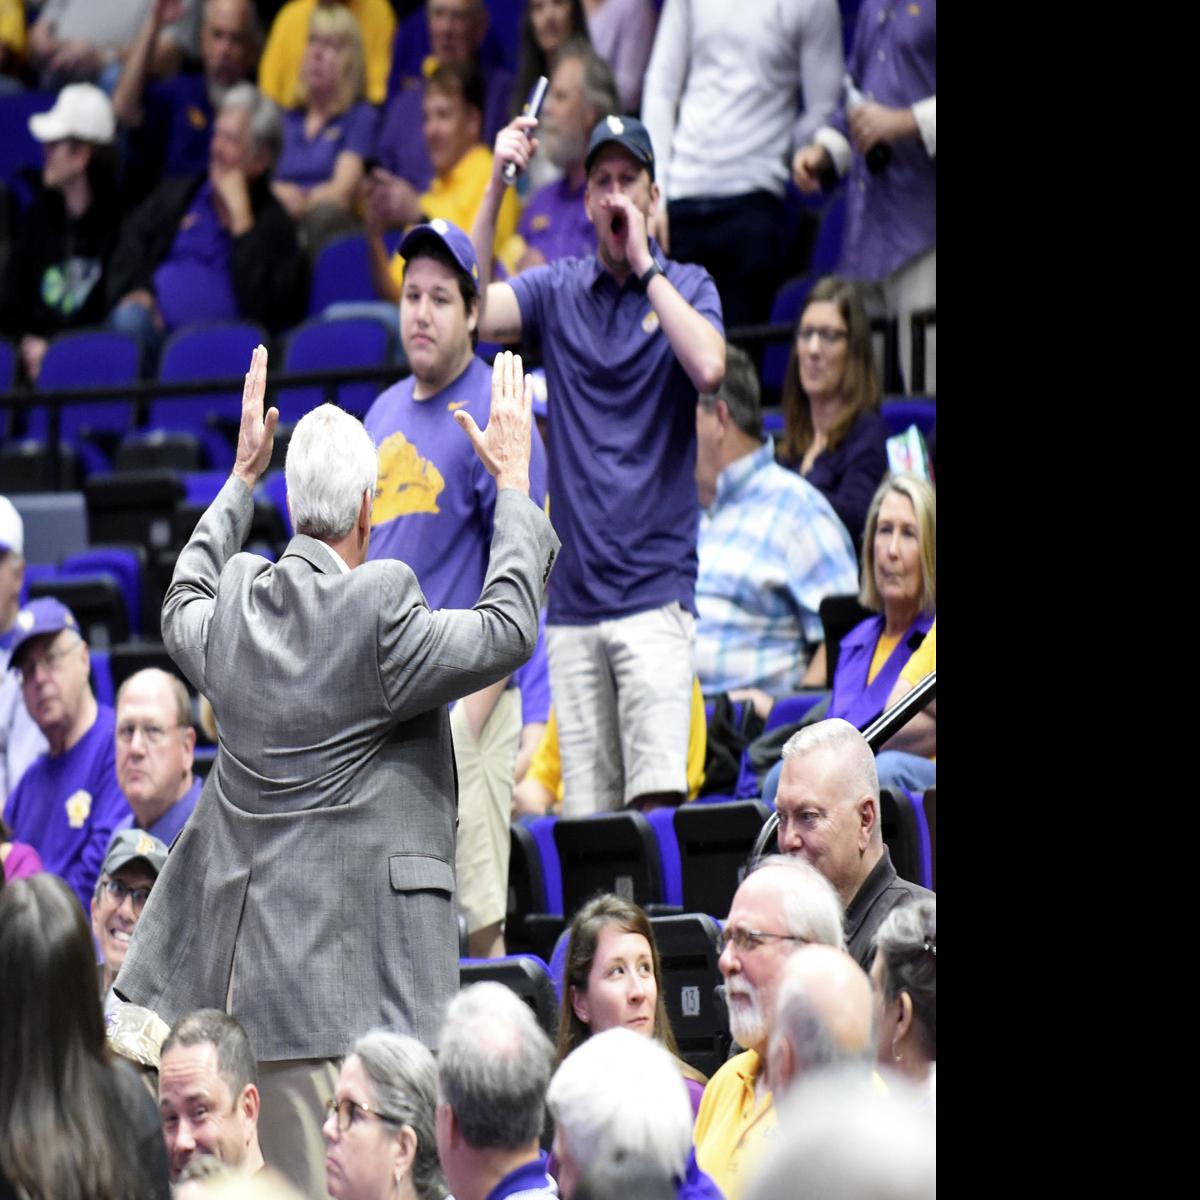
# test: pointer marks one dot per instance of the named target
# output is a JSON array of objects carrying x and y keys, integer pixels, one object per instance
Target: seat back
[
  {"x": 87, "y": 358},
  {"x": 608, "y": 852},
  {"x": 905, "y": 834},
  {"x": 56, "y": 524},
  {"x": 342, "y": 342},
  {"x": 786, "y": 306},
  {"x": 135, "y": 506},
  {"x": 342, "y": 272},
  {"x": 662, "y": 821},
  {"x": 839, "y": 615},
  {"x": 100, "y": 677},
  {"x": 124, "y": 563},
  {"x": 127, "y": 658},
  {"x": 785, "y": 711},
  {"x": 899, "y": 412},
  {"x": 714, "y": 844},
  {"x": 147, "y": 450},
  {"x": 526, "y": 886},
  {"x": 525, "y": 974},
  {"x": 27, "y": 466},
  {"x": 97, "y": 602}
]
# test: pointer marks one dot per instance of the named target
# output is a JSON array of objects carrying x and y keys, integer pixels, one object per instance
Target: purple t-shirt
[
  {"x": 66, "y": 807},
  {"x": 534, "y": 681},
  {"x": 310, "y": 162},
  {"x": 194, "y": 283},
  {"x": 622, "y": 437},
  {"x": 435, "y": 500},
  {"x": 555, "y": 223}
]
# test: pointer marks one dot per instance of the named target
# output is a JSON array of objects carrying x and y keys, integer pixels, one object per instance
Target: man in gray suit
[{"x": 311, "y": 893}]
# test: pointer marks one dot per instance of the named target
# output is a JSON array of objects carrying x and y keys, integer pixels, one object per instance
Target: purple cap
[
  {"x": 624, "y": 131},
  {"x": 44, "y": 615},
  {"x": 450, "y": 236}
]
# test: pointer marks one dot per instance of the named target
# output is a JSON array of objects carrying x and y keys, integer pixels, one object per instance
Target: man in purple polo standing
[{"x": 628, "y": 339}]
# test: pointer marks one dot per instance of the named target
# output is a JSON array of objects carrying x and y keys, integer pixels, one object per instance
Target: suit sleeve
[{"x": 429, "y": 658}]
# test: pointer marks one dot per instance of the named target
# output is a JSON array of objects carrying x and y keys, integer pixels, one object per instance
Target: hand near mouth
[{"x": 628, "y": 228}]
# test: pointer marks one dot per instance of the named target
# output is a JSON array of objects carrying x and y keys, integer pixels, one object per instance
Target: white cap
[
  {"x": 12, "y": 528},
  {"x": 81, "y": 111}
]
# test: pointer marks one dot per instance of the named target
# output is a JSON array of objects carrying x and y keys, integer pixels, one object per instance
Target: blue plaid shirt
[{"x": 771, "y": 549}]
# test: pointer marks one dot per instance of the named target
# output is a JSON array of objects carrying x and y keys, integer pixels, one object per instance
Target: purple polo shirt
[
  {"x": 309, "y": 162},
  {"x": 622, "y": 437},
  {"x": 891, "y": 217},
  {"x": 167, "y": 827},
  {"x": 66, "y": 807},
  {"x": 554, "y": 222},
  {"x": 193, "y": 283},
  {"x": 529, "y": 1179},
  {"x": 435, "y": 500}
]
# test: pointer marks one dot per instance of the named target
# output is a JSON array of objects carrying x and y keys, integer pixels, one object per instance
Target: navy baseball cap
[
  {"x": 624, "y": 131},
  {"x": 450, "y": 236},
  {"x": 44, "y": 615}
]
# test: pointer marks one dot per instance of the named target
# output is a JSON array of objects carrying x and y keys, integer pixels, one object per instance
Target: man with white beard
[{"x": 782, "y": 904}]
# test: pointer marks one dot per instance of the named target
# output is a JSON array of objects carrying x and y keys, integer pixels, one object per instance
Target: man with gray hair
[
  {"x": 311, "y": 894},
  {"x": 494, "y": 1065},
  {"x": 216, "y": 246},
  {"x": 771, "y": 548},
  {"x": 828, "y": 805},
  {"x": 781, "y": 905}
]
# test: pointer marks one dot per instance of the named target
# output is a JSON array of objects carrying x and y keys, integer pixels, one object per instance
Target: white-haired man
[
  {"x": 312, "y": 892},
  {"x": 782, "y": 904}
]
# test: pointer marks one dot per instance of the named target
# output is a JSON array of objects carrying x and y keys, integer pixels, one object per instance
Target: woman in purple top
[
  {"x": 623, "y": 33},
  {"x": 327, "y": 140},
  {"x": 833, "y": 434},
  {"x": 545, "y": 26},
  {"x": 613, "y": 977}
]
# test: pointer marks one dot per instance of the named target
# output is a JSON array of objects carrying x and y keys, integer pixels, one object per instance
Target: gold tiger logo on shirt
[{"x": 407, "y": 482}]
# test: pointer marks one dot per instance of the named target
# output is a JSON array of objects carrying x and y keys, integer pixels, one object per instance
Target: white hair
[
  {"x": 811, "y": 908},
  {"x": 331, "y": 461},
  {"x": 620, "y": 1091}
]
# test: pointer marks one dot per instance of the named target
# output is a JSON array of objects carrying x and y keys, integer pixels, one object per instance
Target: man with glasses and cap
[{"x": 68, "y": 802}]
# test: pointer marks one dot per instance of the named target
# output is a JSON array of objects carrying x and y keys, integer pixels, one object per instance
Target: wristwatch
[{"x": 652, "y": 270}]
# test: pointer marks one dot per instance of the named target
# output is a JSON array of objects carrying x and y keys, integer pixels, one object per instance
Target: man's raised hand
[
  {"x": 504, "y": 446},
  {"x": 257, "y": 433}
]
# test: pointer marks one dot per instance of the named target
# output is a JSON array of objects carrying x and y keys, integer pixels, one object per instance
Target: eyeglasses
[
  {"x": 828, "y": 335},
  {"x": 51, "y": 660},
  {"x": 348, "y": 1109},
  {"x": 151, "y": 734},
  {"x": 118, "y": 891},
  {"x": 747, "y": 940}
]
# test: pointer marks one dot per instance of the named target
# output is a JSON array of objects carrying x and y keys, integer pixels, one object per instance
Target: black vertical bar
[{"x": 917, "y": 327}]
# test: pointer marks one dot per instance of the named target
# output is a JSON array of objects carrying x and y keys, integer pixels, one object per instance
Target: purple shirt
[
  {"x": 167, "y": 827},
  {"x": 534, "y": 681},
  {"x": 852, "y": 698},
  {"x": 555, "y": 222},
  {"x": 66, "y": 807},
  {"x": 622, "y": 437},
  {"x": 435, "y": 500},
  {"x": 190, "y": 125},
  {"x": 309, "y": 162},
  {"x": 193, "y": 283},
  {"x": 529, "y": 1179},
  {"x": 891, "y": 217}
]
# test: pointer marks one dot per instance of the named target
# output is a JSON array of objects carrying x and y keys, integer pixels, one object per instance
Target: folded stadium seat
[
  {"x": 127, "y": 658},
  {"x": 558, "y": 962},
  {"x": 27, "y": 466},
  {"x": 906, "y": 835},
  {"x": 201, "y": 487},
  {"x": 525, "y": 974},
  {"x": 899, "y": 412},
  {"x": 101, "y": 677},
  {"x": 608, "y": 852},
  {"x": 97, "y": 602},
  {"x": 688, "y": 949},
  {"x": 56, "y": 524},
  {"x": 325, "y": 342},
  {"x": 715, "y": 841},
  {"x": 145, "y": 450},
  {"x": 929, "y": 807},
  {"x": 34, "y": 573},
  {"x": 273, "y": 488},
  {"x": 125, "y": 563},
  {"x": 839, "y": 615},
  {"x": 210, "y": 350},
  {"x": 135, "y": 506},
  {"x": 662, "y": 821},
  {"x": 526, "y": 888},
  {"x": 342, "y": 272}
]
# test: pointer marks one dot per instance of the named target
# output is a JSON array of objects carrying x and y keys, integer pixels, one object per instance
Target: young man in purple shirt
[
  {"x": 628, "y": 338},
  {"x": 434, "y": 509},
  {"x": 68, "y": 802}
]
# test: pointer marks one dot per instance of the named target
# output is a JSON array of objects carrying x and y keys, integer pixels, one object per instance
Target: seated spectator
[
  {"x": 283, "y": 56},
  {"x": 327, "y": 139},
  {"x": 380, "y": 1132},
  {"x": 494, "y": 1066},
  {"x": 57, "y": 271},
  {"x": 613, "y": 977},
  {"x": 67, "y": 803},
  {"x": 78, "y": 40},
  {"x": 13, "y": 45},
  {"x": 208, "y": 1093},
  {"x": 173, "y": 137},
  {"x": 131, "y": 865},
  {"x": 622, "y": 1176},
  {"x": 456, "y": 31},
  {"x": 833, "y": 433},
  {"x": 453, "y": 114},
  {"x": 19, "y": 860},
  {"x": 155, "y": 745},
  {"x": 907, "y": 757},
  {"x": 770, "y": 549},
  {"x": 216, "y": 246},
  {"x": 622, "y": 32},
  {"x": 73, "y": 1120},
  {"x": 555, "y": 223},
  {"x": 619, "y": 1093},
  {"x": 904, "y": 975}
]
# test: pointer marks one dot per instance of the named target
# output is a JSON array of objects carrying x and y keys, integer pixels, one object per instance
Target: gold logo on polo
[
  {"x": 196, "y": 118},
  {"x": 616, "y": 125},
  {"x": 454, "y": 405},
  {"x": 650, "y": 322},
  {"x": 407, "y": 482},
  {"x": 79, "y": 804}
]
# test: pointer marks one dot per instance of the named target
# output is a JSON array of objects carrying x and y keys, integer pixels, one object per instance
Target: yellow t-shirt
[
  {"x": 546, "y": 766},
  {"x": 279, "y": 67},
  {"x": 12, "y": 25},
  {"x": 456, "y": 197},
  {"x": 730, "y": 1126},
  {"x": 883, "y": 651},
  {"x": 923, "y": 660}
]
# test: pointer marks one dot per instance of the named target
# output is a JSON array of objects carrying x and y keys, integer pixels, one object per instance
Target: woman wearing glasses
[
  {"x": 613, "y": 978},
  {"x": 833, "y": 433},
  {"x": 380, "y": 1132}
]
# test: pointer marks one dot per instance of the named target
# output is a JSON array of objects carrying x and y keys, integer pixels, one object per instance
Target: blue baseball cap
[
  {"x": 624, "y": 131},
  {"x": 450, "y": 236},
  {"x": 44, "y": 615}
]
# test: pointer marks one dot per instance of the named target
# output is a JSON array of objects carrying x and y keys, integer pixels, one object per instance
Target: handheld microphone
[{"x": 533, "y": 108}]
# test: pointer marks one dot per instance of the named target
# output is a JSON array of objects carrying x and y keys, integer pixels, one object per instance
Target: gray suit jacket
[{"x": 317, "y": 871}]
